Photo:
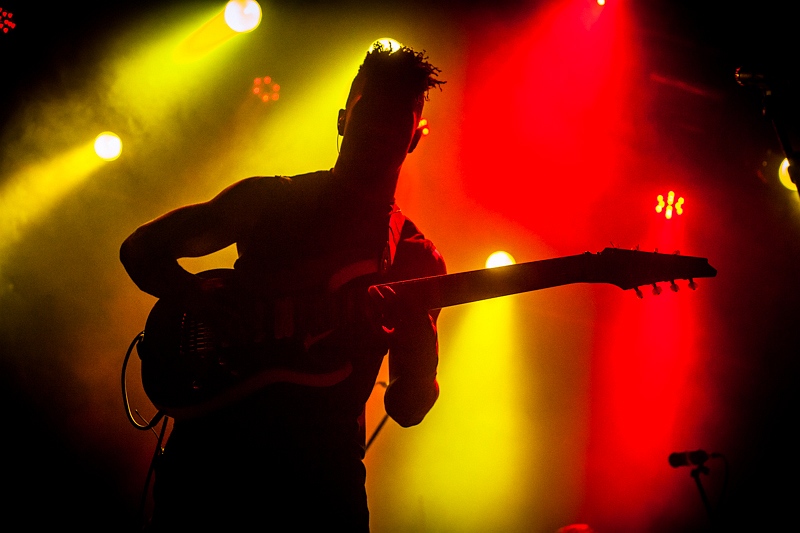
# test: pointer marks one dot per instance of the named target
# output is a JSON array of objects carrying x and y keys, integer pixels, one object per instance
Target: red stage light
[
  {"x": 5, "y": 20},
  {"x": 265, "y": 90}
]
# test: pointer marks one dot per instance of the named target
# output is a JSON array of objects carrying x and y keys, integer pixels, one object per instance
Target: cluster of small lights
[
  {"x": 670, "y": 206},
  {"x": 265, "y": 90},
  {"x": 423, "y": 125},
  {"x": 5, "y": 20}
]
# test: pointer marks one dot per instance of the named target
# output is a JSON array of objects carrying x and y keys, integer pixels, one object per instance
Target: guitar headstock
[{"x": 631, "y": 269}]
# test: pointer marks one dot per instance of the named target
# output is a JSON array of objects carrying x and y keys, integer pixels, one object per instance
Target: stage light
[
  {"x": 783, "y": 175},
  {"x": 670, "y": 205},
  {"x": 423, "y": 125},
  {"x": 500, "y": 258},
  {"x": 6, "y": 24},
  {"x": 388, "y": 44},
  {"x": 108, "y": 146},
  {"x": 242, "y": 15},
  {"x": 265, "y": 90}
]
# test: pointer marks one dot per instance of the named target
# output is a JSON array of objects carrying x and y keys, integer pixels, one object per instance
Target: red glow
[
  {"x": 566, "y": 98},
  {"x": 562, "y": 78}
]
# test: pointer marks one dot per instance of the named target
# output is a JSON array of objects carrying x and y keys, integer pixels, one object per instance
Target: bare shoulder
[{"x": 254, "y": 187}]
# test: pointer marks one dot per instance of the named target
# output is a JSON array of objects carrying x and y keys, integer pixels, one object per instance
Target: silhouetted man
[{"x": 288, "y": 456}]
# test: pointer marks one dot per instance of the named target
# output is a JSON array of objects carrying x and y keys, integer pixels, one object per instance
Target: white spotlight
[
  {"x": 242, "y": 15},
  {"x": 108, "y": 146}
]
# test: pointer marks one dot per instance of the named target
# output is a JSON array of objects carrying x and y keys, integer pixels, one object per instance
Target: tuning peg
[
  {"x": 656, "y": 289},
  {"x": 673, "y": 286},
  {"x": 638, "y": 292},
  {"x": 692, "y": 284}
]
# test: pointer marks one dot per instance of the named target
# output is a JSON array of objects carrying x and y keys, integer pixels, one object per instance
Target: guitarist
[{"x": 290, "y": 455}]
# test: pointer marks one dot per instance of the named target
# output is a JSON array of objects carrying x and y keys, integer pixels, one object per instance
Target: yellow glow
[
  {"x": 30, "y": 194},
  {"x": 205, "y": 39},
  {"x": 388, "y": 43},
  {"x": 153, "y": 79},
  {"x": 242, "y": 15},
  {"x": 783, "y": 176},
  {"x": 108, "y": 146},
  {"x": 498, "y": 259},
  {"x": 474, "y": 453}
]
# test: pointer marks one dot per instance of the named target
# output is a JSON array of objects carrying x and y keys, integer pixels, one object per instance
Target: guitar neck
[{"x": 447, "y": 290}]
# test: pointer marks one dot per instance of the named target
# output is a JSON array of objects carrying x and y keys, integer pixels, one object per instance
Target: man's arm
[
  {"x": 413, "y": 360},
  {"x": 414, "y": 357},
  {"x": 150, "y": 254}
]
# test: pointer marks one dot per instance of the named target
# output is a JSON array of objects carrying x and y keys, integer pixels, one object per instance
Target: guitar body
[{"x": 189, "y": 367}]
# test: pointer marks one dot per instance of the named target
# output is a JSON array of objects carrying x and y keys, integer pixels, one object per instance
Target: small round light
[{"x": 108, "y": 146}]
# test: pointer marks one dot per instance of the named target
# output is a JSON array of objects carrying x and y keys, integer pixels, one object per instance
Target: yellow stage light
[
  {"x": 783, "y": 175},
  {"x": 242, "y": 15},
  {"x": 108, "y": 146},
  {"x": 498, "y": 259},
  {"x": 388, "y": 43}
]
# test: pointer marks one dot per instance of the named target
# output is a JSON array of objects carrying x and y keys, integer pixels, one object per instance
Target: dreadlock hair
[{"x": 403, "y": 70}]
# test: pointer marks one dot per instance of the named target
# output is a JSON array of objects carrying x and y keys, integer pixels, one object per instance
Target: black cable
[
  {"x": 159, "y": 415},
  {"x": 383, "y": 421},
  {"x": 150, "y": 471}
]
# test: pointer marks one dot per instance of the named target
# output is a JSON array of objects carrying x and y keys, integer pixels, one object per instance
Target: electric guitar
[{"x": 188, "y": 368}]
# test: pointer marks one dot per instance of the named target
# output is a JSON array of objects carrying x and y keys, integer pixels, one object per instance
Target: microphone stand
[{"x": 703, "y": 469}]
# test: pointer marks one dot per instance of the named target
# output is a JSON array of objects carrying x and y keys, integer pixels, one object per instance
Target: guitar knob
[
  {"x": 692, "y": 284},
  {"x": 638, "y": 292},
  {"x": 196, "y": 385},
  {"x": 656, "y": 289},
  {"x": 673, "y": 286}
]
